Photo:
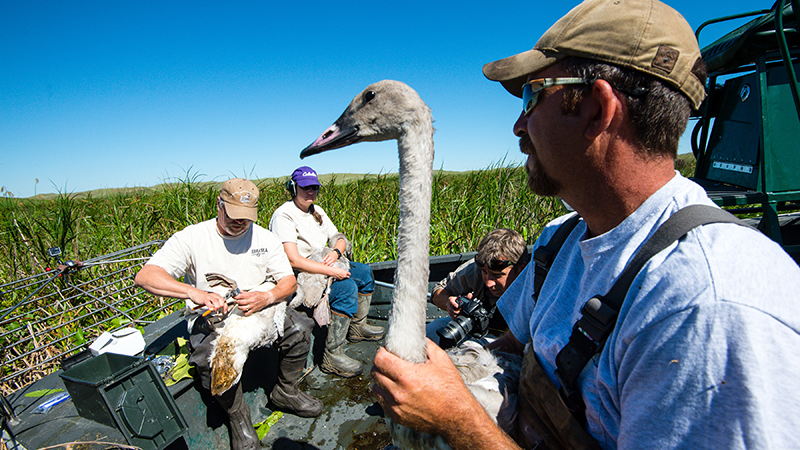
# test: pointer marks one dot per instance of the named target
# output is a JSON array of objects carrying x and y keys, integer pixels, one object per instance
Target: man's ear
[{"x": 605, "y": 105}]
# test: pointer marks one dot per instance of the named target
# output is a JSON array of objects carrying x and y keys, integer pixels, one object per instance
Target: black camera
[{"x": 473, "y": 319}]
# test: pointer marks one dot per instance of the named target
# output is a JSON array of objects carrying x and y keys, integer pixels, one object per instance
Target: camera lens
[{"x": 454, "y": 332}]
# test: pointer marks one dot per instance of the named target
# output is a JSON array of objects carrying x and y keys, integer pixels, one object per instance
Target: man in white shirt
[{"x": 234, "y": 246}]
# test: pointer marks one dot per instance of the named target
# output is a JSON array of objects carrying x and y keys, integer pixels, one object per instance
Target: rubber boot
[
  {"x": 333, "y": 358},
  {"x": 287, "y": 396},
  {"x": 359, "y": 329},
  {"x": 293, "y": 350},
  {"x": 243, "y": 435}
]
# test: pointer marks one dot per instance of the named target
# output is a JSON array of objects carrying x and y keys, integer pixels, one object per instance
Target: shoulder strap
[
  {"x": 600, "y": 313},
  {"x": 544, "y": 256}
]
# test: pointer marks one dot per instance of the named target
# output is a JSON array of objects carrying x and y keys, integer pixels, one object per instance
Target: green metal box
[
  {"x": 754, "y": 140},
  {"x": 127, "y": 393}
]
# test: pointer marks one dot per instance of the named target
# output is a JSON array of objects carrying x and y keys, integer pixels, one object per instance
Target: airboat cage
[
  {"x": 752, "y": 154},
  {"x": 59, "y": 312}
]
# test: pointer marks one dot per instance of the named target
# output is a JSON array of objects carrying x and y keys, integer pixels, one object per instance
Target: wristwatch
[{"x": 338, "y": 252}]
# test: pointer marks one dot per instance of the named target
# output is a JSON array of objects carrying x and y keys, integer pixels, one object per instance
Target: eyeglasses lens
[
  {"x": 225, "y": 211},
  {"x": 530, "y": 95},
  {"x": 531, "y": 90},
  {"x": 310, "y": 188}
]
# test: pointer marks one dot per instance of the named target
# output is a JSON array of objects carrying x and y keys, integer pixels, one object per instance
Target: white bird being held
[
  {"x": 392, "y": 110},
  {"x": 313, "y": 288},
  {"x": 238, "y": 335}
]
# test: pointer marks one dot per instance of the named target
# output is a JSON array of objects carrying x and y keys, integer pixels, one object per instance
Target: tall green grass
[{"x": 465, "y": 207}]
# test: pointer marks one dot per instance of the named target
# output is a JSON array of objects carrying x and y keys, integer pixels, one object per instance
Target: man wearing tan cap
[
  {"x": 701, "y": 352},
  {"x": 238, "y": 249}
]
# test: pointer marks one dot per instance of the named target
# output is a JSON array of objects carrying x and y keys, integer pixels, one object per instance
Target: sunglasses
[
  {"x": 531, "y": 90},
  {"x": 496, "y": 264},
  {"x": 310, "y": 188}
]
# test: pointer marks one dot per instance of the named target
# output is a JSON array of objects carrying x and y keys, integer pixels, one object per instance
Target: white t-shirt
[
  {"x": 255, "y": 259},
  {"x": 291, "y": 224},
  {"x": 704, "y": 353}
]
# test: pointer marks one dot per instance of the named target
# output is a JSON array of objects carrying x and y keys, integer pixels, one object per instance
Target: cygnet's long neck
[{"x": 406, "y": 332}]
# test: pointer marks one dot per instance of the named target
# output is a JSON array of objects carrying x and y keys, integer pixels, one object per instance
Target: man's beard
[
  {"x": 228, "y": 230},
  {"x": 234, "y": 232},
  {"x": 538, "y": 181}
]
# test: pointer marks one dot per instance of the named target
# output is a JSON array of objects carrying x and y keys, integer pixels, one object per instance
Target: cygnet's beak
[{"x": 334, "y": 137}]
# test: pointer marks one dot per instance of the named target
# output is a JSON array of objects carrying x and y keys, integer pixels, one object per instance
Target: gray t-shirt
[{"x": 704, "y": 351}]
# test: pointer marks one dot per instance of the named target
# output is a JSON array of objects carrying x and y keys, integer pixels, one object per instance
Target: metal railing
[{"x": 60, "y": 312}]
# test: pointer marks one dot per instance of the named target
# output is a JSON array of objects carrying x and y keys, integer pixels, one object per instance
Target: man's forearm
[
  {"x": 507, "y": 343},
  {"x": 156, "y": 280},
  {"x": 477, "y": 431},
  {"x": 441, "y": 298}
]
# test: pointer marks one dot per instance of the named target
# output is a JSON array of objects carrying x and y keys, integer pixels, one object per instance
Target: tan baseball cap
[
  {"x": 241, "y": 199},
  {"x": 644, "y": 35}
]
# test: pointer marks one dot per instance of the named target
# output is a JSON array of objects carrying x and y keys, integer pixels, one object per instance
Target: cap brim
[
  {"x": 308, "y": 183},
  {"x": 512, "y": 72},
  {"x": 241, "y": 212}
]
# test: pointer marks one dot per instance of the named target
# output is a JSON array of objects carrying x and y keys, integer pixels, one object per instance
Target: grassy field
[{"x": 465, "y": 206}]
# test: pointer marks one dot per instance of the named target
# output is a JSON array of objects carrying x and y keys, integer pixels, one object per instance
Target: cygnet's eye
[{"x": 369, "y": 95}]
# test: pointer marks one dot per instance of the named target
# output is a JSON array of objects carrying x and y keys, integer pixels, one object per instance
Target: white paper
[{"x": 127, "y": 341}]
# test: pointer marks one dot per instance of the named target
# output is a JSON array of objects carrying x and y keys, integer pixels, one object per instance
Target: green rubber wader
[{"x": 543, "y": 421}]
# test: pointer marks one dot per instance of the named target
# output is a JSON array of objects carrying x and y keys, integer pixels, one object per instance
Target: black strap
[
  {"x": 599, "y": 314},
  {"x": 544, "y": 255}
]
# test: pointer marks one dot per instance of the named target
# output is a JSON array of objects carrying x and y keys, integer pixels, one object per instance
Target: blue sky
[{"x": 107, "y": 94}]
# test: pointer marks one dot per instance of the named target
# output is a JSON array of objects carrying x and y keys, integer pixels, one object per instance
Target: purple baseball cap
[{"x": 305, "y": 176}]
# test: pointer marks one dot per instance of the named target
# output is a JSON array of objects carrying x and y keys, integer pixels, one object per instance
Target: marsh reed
[{"x": 465, "y": 207}]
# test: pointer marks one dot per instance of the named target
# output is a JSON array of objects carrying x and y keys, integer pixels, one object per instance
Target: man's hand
[
  {"x": 254, "y": 301},
  {"x": 444, "y": 300},
  {"x": 431, "y": 397},
  {"x": 210, "y": 300},
  {"x": 453, "y": 307},
  {"x": 417, "y": 395}
]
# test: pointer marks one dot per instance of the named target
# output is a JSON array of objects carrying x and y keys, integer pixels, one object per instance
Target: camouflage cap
[{"x": 644, "y": 35}]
